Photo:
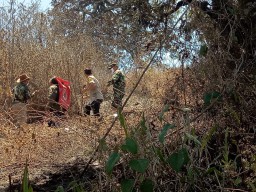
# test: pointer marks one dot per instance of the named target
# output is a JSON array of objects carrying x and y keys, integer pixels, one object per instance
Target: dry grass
[{"x": 47, "y": 149}]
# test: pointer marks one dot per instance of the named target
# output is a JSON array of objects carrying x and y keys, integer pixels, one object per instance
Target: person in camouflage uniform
[
  {"x": 21, "y": 91},
  {"x": 53, "y": 96},
  {"x": 53, "y": 99},
  {"x": 118, "y": 82},
  {"x": 21, "y": 95}
]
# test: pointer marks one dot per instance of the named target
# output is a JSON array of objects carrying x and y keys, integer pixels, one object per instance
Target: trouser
[
  {"x": 58, "y": 113},
  {"x": 19, "y": 113},
  {"x": 118, "y": 97},
  {"x": 94, "y": 106}
]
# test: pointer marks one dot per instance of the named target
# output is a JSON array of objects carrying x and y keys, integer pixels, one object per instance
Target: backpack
[{"x": 64, "y": 93}]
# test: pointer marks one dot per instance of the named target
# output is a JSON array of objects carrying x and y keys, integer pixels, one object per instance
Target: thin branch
[{"x": 129, "y": 96}]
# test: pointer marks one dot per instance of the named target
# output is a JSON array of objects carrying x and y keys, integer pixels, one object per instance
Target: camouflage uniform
[
  {"x": 21, "y": 93},
  {"x": 53, "y": 97},
  {"x": 19, "y": 108},
  {"x": 118, "y": 82},
  {"x": 53, "y": 103}
]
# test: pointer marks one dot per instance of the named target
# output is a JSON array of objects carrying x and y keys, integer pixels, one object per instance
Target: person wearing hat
[
  {"x": 21, "y": 95},
  {"x": 95, "y": 95},
  {"x": 21, "y": 91},
  {"x": 118, "y": 82}
]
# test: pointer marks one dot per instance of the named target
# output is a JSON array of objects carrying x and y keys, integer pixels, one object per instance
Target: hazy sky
[{"x": 44, "y": 4}]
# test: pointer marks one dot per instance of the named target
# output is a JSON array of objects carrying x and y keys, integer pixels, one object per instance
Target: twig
[
  {"x": 10, "y": 183},
  {"x": 127, "y": 99},
  {"x": 231, "y": 189},
  {"x": 199, "y": 115},
  {"x": 217, "y": 179}
]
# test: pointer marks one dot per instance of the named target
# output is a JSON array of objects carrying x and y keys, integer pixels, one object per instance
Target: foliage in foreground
[{"x": 189, "y": 162}]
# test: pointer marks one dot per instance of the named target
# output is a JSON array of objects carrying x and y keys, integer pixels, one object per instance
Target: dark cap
[
  {"x": 112, "y": 65},
  {"x": 88, "y": 71},
  {"x": 53, "y": 80}
]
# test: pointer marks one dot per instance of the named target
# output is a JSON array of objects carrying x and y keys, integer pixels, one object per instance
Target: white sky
[{"x": 44, "y": 4}]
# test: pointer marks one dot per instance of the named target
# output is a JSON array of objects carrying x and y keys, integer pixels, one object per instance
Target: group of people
[
  {"x": 22, "y": 94},
  {"x": 94, "y": 90}
]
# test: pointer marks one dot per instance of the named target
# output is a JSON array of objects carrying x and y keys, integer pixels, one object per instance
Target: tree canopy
[{"x": 137, "y": 26}]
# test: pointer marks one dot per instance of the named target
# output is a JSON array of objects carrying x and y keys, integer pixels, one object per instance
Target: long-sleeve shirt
[
  {"x": 53, "y": 97},
  {"x": 21, "y": 92},
  {"x": 118, "y": 81}
]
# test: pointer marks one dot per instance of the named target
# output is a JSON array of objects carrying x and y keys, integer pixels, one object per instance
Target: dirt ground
[
  {"x": 45, "y": 148},
  {"x": 49, "y": 150}
]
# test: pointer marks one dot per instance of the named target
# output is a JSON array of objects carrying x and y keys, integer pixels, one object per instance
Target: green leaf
[
  {"x": 30, "y": 189},
  {"x": 112, "y": 160},
  {"x": 159, "y": 153},
  {"x": 60, "y": 189},
  {"x": 193, "y": 138},
  {"x": 164, "y": 131},
  {"x": 212, "y": 170},
  {"x": 122, "y": 122},
  {"x": 178, "y": 159},
  {"x": 25, "y": 178},
  {"x": 203, "y": 50},
  {"x": 139, "y": 165},
  {"x": 147, "y": 186},
  {"x": 143, "y": 125},
  {"x": 165, "y": 109},
  {"x": 238, "y": 181},
  {"x": 127, "y": 185},
  {"x": 130, "y": 145},
  {"x": 103, "y": 145},
  {"x": 208, "y": 97},
  {"x": 207, "y": 137}
]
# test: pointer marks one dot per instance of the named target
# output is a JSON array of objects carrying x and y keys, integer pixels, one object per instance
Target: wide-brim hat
[
  {"x": 112, "y": 65},
  {"x": 22, "y": 78}
]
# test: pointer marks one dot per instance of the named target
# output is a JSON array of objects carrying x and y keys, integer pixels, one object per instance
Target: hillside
[{"x": 188, "y": 117}]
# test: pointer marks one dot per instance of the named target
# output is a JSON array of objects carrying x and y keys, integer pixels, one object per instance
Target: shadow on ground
[{"x": 68, "y": 178}]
